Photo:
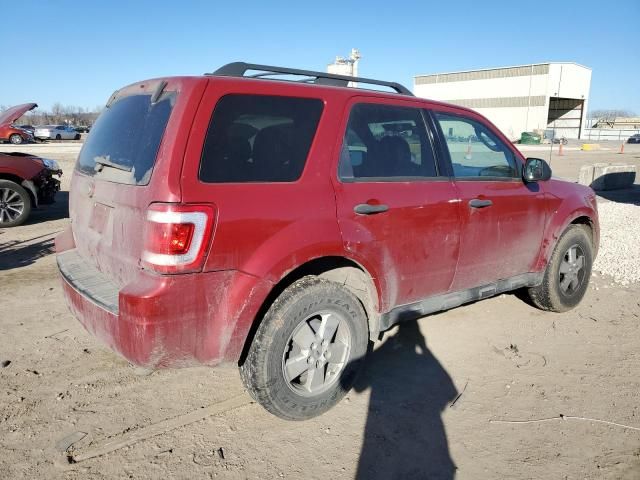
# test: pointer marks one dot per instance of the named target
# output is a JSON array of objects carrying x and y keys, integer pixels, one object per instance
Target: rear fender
[
  {"x": 289, "y": 249},
  {"x": 299, "y": 243}
]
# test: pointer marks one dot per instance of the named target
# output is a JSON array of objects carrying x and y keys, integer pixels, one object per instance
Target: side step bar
[{"x": 451, "y": 300}]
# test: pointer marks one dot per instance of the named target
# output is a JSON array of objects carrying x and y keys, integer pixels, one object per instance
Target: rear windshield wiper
[{"x": 102, "y": 162}]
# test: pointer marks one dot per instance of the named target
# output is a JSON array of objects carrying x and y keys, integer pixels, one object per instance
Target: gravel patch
[{"x": 619, "y": 254}]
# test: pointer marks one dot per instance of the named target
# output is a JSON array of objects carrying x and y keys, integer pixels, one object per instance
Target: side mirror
[{"x": 536, "y": 170}]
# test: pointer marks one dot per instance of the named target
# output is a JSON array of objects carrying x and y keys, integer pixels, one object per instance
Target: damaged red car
[
  {"x": 284, "y": 225},
  {"x": 10, "y": 132},
  {"x": 26, "y": 182}
]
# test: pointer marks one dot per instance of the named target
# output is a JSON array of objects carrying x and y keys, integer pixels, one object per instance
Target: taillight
[{"x": 177, "y": 237}]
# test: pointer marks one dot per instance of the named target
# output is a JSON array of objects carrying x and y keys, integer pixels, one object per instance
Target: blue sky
[{"x": 78, "y": 53}]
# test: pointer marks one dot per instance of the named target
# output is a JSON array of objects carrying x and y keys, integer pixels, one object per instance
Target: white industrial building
[
  {"x": 346, "y": 66},
  {"x": 518, "y": 99}
]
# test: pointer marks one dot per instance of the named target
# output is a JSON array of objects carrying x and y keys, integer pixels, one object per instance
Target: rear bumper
[{"x": 170, "y": 321}]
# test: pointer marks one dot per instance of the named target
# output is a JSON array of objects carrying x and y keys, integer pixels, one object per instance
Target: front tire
[
  {"x": 15, "y": 204},
  {"x": 58, "y": 137},
  {"x": 15, "y": 139},
  {"x": 566, "y": 278},
  {"x": 308, "y": 350}
]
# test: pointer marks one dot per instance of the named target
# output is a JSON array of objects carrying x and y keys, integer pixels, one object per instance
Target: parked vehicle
[
  {"x": 634, "y": 138},
  {"x": 284, "y": 225},
  {"x": 11, "y": 133},
  {"x": 83, "y": 128},
  {"x": 56, "y": 132},
  {"x": 28, "y": 128},
  {"x": 26, "y": 181}
]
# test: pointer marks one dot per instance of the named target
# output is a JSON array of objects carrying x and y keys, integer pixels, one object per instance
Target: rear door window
[
  {"x": 259, "y": 138},
  {"x": 124, "y": 141},
  {"x": 386, "y": 142}
]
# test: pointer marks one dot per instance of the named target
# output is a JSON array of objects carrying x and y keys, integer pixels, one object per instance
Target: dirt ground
[{"x": 496, "y": 389}]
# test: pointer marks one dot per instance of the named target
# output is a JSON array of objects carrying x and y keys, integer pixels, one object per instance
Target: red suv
[{"x": 283, "y": 225}]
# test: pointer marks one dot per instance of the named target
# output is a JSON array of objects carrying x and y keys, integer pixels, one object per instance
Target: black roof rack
[{"x": 238, "y": 69}]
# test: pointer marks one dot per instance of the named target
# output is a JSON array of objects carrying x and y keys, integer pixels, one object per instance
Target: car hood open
[{"x": 12, "y": 114}]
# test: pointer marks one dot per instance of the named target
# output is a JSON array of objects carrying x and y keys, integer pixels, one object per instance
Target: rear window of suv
[
  {"x": 124, "y": 141},
  {"x": 259, "y": 138}
]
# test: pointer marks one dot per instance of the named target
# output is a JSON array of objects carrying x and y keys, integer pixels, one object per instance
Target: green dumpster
[{"x": 530, "y": 138}]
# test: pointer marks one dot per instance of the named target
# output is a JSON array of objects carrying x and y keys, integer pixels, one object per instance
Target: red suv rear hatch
[
  {"x": 130, "y": 232},
  {"x": 131, "y": 159}
]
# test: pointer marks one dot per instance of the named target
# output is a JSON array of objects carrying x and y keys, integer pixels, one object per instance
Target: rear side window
[
  {"x": 259, "y": 138},
  {"x": 124, "y": 141},
  {"x": 386, "y": 142}
]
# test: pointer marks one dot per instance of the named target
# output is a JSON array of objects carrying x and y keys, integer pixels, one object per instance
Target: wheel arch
[
  {"x": 584, "y": 220},
  {"x": 13, "y": 178},
  {"x": 339, "y": 269},
  {"x": 590, "y": 223},
  {"x": 552, "y": 237},
  {"x": 18, "y": 180}
]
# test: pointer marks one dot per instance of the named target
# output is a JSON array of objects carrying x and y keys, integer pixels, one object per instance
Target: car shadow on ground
[
  {"x": 54, "y": 211},
  {"x": 20, "y": 253},
  {"x": 404, "y": 435}
]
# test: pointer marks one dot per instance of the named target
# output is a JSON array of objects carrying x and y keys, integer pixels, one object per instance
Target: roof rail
[{"x": 238, "y": 69}]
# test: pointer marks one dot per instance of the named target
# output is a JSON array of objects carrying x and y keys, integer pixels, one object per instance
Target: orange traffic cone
[
  {"x": 560, "y": 154},
  {"x": 621, "y": 148}
]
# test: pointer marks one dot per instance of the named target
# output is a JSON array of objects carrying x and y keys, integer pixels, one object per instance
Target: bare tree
[
  {"x": 60, "y": 114},
  {"x": 57, "y": 111},
  {"x": 610, "y": 114}
]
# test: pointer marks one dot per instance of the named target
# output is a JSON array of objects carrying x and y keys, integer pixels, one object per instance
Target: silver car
[{"x": 56, "y": 132}]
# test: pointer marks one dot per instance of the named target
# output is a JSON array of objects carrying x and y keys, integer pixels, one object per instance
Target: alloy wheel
[
  {"x": 11, "y": 205},
  {"x": 316, "y": 353},
  {"x": 572, "y": 271}
]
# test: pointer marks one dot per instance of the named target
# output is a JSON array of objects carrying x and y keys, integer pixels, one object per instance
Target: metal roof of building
[{"x": 530, "y": 65}]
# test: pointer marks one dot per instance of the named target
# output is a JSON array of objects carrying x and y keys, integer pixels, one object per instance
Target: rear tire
[
  {"x": 15, "y": 204},
  {"x": 15, "y": 139},
  {"x": 566, "y": 278},
  {"x": 58, "y": 137},
  {"x": 308, "y": 350}
]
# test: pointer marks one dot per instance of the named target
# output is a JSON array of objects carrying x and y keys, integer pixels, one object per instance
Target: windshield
[{"x": 124, "y": 141}]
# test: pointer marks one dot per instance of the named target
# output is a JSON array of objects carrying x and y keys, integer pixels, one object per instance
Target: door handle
[
  {"x": 367, "y": 209},
  {"x": 477, "y": 203}
]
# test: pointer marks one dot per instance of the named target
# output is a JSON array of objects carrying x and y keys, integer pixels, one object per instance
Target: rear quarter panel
[{"x": 263, "y": 228}]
